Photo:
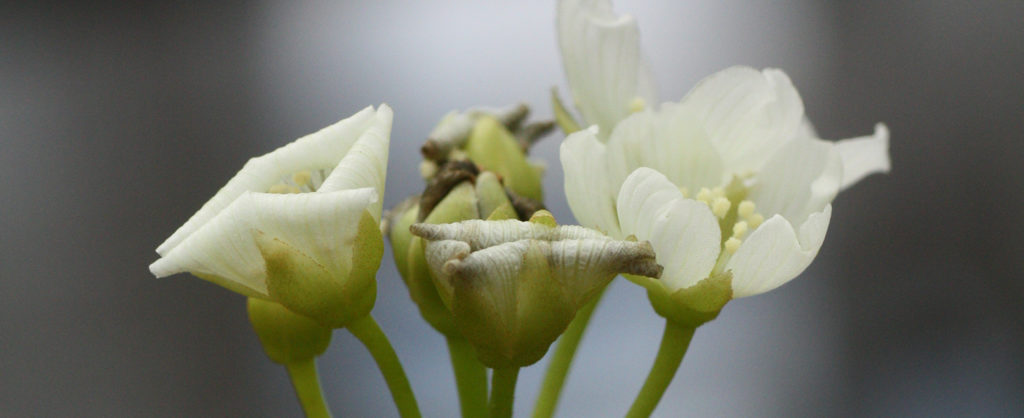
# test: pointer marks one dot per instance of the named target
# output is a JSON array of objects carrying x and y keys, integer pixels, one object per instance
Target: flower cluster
[{"x": 724, "y": 194}]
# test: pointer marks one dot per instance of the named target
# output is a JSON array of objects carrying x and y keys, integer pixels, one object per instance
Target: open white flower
[
  {"x": 308, "y": 203},
  {"x": 730, "y": 179},
  {"x": 608, "y": 76}
]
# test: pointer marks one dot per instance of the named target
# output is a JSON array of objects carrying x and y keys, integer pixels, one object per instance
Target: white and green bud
[
  {"x": 287, "y": 337},
  {"x": 513, "y": 287}
]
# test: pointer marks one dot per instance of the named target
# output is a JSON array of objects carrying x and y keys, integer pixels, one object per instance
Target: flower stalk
[
  {"x": 674, "y": 343},
  {"x": 503, "y": 390},
  {"x": 306, "y": 381},
  {"x": 561, "y": 360},
  {"x": 369, "y": 333},
  {"x": 470, "y": 378}
]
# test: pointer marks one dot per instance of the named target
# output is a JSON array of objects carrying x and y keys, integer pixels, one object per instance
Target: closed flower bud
[{"x": 513, "y": 287}]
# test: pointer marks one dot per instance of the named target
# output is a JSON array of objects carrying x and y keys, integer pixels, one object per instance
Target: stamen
[
  {"x": 732, "y": 244},
  {"x": 302, "y": 178},
  {"x": 717, "y": 192},
  {"x": 720, "y": 207},
  {"x": 282, "y": 188},
  {"x": 746, "y": 209},
  {"x": 755, "y": 220},
  {"x": 739, "y": 229},
  {"x": 704, "y": 195}
]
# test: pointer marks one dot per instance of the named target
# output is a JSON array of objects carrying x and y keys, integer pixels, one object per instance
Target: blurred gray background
[{"x": 118, "y": 120}]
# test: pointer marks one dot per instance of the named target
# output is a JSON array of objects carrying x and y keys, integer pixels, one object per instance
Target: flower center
[
  {"x": 736, "y": 215},
  {"x": 305, "y": 181}
]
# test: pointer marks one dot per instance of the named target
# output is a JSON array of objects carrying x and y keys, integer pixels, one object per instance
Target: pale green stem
[
  {"x": 674, "y": 343},
  {"x": 370, "y": 334},
  {"x": 503, "y": 392},
  {"x": 307, "y": 385},
  {"x": 561, "y": 360},
  {"x": 470, "y": 378}
]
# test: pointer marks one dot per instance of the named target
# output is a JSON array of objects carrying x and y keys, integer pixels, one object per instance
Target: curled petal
[
  {"x": 684, "y": 233},
  {"x": 481, "y": 234},
  {"x": 366, "y": 162},
  {"x": 589, "y": 188},
  {"x": 775, "y": 254},
  {"x": 864, "y": 155},
  {"x": 603, "y": 61}
]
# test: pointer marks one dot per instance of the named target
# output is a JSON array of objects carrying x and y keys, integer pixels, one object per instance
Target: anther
[
  {"x": 282, "y": 188},
  {"x": 746, "y": 209},
  {"x": 755, "y": 220},
  {"x": 732, "y": 244},
  {"x": 637, "y": 104},
  {"x": 302, "y": 178},
  {"x": 704, "y": 195},
  {"x": 720, "y": 206},
  {"x": 739, "y": 229}
]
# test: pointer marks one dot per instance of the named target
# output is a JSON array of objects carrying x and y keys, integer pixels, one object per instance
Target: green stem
[
  {"x": 561, "y": 360},
  {"x": 674, "y": 343},
  {"x": 470, "y": 378},
  {"x": 370, "y": 334},
  {"x": 307, "y": 386},
  {"x": 503, "y": 392}
]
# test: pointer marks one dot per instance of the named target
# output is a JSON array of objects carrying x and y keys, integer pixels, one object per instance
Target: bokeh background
[{"x": 118, "y": 120}]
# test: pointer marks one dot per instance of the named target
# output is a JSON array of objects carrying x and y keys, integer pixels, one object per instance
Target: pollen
[
  {"x": 732, "y": 244},
  {"x": 755, "y": 220},
  {"x": 720, "y": 206}
]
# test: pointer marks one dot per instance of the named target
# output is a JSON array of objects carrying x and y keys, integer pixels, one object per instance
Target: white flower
[
  {"x": 730, "y": 179},
  {"x": 607, "y": 73},
  {"x": 307, "y": 203}
]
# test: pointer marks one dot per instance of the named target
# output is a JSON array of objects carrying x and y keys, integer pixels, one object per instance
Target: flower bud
[
  {"x": 492, "y": 146},
  {"x": 287, "y": 337},
  {"x": 513, "y": 287}
]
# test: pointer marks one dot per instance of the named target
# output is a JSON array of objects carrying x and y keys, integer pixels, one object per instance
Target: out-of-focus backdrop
[{"x": 118, "y": 120}]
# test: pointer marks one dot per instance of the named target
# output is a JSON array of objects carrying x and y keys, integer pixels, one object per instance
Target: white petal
[
  {"x": 322, "y": 225},
  {"x": 588, "y": 188},
  {"x": 318, "y": 151},
  {"x": 747, "y": 113},
  {"x": 671, "y": 141},
  {"x": 684, "y": 233},
  {"x": 603, "y": 61},
  {"x": 774, "y": 254},
  {"x": 800, "y": 179},
  {"x": 864, "y": 155},
  {"x": 366, "y": 163}
]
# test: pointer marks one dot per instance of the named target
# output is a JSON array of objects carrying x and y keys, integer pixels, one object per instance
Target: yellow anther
[
  {"x": 755, "y": 220},
  {"x": 717, "y": 192},
  {"x": 739, "y": 229},
  {"x": 637, "y": 104},
  {"x": 746, "y": 209},
  {"x": 704, "y": 195},
  {"x": 720, "y": 206},
  {"x": 732, "y": 244},
  {"x": 282, "y": 188},
  {"x": 685, "y": 192},
  {"x": 302, "y": 178}
]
